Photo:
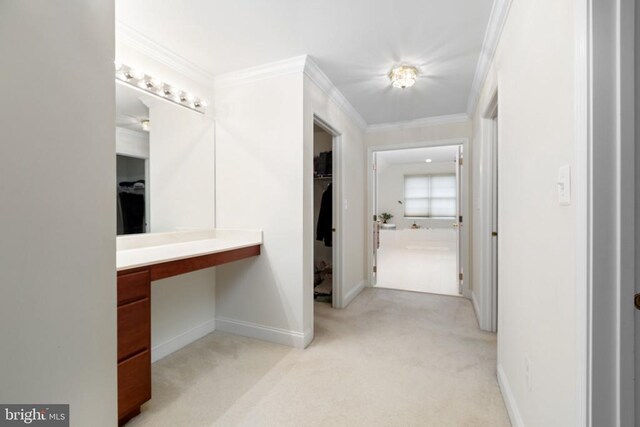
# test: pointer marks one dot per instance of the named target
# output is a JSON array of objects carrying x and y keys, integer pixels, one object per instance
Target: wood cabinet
[
  {"x": 134, "y": 342},
  {"x": 134, "y": 323}
]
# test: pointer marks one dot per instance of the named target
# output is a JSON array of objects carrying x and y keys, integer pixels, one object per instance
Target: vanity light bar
[{"x": 146, "y": 83}]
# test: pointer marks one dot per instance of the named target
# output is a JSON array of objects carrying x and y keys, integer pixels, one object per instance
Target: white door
[
  {"x": 494, "y": 226},
  {"x": 458, "y": 223},
  {"x": 376, "y": 225}
]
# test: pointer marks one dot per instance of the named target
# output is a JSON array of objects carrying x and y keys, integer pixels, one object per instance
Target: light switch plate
[{"x": 564, "y": 185}]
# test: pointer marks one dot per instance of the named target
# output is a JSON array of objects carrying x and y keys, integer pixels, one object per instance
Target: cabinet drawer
[
  {"x": 133, "y": 286},
  {"x": 134, "y": 328},
  {"x": 134, "y": 383}
]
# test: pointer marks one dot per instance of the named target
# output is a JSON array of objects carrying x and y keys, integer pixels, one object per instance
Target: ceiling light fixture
[
  {"x": 144, "y": 82},
  {"x": 403, "y": 76},
  {"x": 428, "y": 160},
  {"x": 145, "y": 125}
]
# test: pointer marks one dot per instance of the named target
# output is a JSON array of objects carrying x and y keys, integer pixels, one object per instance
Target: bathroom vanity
[{"x": 142, "y": 259}]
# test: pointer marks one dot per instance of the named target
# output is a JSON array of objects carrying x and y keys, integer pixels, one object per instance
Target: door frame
[
  {"x": 337, "y": 297},
  {"x": 464, "y": 142},
  {"x": 485, "y": 291},
  {"x": 605, "y": 204}
]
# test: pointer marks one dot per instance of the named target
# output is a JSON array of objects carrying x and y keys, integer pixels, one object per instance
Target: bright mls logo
[{"x": 34, "y": 415}]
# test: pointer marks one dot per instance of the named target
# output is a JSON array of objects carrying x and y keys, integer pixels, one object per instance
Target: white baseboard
[
  {"x": 264, "y": 333},
  {"x": 352, "y": 294},
  {"x": 174, "y": 344},
  {"x": 476, "y": 308},
  {"x": 509, "y": 399}
]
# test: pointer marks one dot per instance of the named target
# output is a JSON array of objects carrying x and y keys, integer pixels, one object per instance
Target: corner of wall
[
  {"x": 353, "y": 293},
  {"x": 509, "y": 398},
  {"x": 264, "y": 333}
]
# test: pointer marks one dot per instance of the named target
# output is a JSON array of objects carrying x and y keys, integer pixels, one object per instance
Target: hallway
[{"x": 391, "y": 358}]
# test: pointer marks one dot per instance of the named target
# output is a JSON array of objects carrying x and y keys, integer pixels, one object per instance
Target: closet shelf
[{"x": 323, "y": 177}]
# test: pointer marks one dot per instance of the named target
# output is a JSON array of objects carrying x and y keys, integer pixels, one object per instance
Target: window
[{"x": 428, "y": 196}]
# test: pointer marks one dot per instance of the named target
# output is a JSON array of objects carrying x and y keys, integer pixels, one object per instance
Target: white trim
[
  {"x": 262, "y": 72},
  {"x": 314, "y": 72},
  {"x": 509, "y": 399},
  {"x": 418, "y": 123},
  {"x": 497, "y": 19},
  {"x": 580, "y": 184},
  {"x": 264, "y": 333},
  {"x": 131, "y": 37},
  {"x": 176, "y": 343},
  {"x": 625, "y": 47},
  {"x": 353, "y": 293}
]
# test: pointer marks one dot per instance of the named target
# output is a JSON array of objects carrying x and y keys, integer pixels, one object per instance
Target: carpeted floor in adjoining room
[{"x": 392, "y": 358}]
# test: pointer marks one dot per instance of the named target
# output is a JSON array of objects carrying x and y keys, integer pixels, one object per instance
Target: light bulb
[
  {"x": 200, "y": 103},
  {"x": 135, "y": 74}
]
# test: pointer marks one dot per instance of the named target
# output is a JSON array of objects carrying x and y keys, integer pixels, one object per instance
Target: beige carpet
[{"x": 392, "y": 358}]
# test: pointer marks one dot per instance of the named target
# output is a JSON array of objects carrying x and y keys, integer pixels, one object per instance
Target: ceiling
[
  {"x": 130, "y": 110},
  {"x": 418, "y": 155},
  {"x": 355, "y": 43}
]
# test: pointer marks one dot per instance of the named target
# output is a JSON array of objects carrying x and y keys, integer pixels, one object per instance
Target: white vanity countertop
[{"x": 146, "y": 249}]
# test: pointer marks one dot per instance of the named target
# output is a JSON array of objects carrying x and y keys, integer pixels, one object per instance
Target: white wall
[
  {"x": 259, "y": 175},
  {"x": 404, "y": 135},
  {"x": 182, "y": 159},
  {"x": 264, "y": 175},
  {"x": 182, "y": 187},
  {"x": 534, "y": 73},
  {"x": 57, "y": 175},
  {"x": 391, "y": 190}
]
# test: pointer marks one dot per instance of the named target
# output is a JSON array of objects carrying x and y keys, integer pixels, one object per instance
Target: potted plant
[{"x": 385, "y": 216}]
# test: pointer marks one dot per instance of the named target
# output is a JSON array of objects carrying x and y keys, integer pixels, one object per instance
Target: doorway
[
  {"x": 417, "y": 204},
  {"x": 327, "y": 284}
]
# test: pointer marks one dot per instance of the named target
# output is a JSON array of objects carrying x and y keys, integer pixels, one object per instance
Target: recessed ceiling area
[
  {"x": 440, "y": 154},
  {"x": 355, "y": 43}
]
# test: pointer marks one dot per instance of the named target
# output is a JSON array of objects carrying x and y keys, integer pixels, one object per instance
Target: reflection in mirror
[{"x": 132, "y": 150}]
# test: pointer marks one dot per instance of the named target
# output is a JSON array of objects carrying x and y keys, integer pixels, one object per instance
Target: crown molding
[
  {"x": 314, "y": 72},
  {"x": 143, "y": 44},
  {"x": 497, "y": 19},
  {"x": 262, "y": 72},
  {"x": 418, "y": 123},
  {"x": 297, "y": 64}
]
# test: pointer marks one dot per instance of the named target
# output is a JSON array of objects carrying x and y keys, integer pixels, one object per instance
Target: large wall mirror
[
  {"x": 132, "y": 152},
  {"x": 165, "y": 148}
]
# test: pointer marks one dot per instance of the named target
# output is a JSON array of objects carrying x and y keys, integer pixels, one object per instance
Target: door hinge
[
  {"x": 637, "y": 301},
  {"x": 375, "y": 269},
  {"x": 461, "y": 276},
  {"x": 461, "y": 161}
]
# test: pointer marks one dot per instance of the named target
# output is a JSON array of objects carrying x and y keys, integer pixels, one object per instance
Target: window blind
[{"x": 430, "y": 195}]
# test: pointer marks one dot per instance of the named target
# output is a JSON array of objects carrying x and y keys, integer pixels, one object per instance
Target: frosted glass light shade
[{"x": 403, "y": 76}]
